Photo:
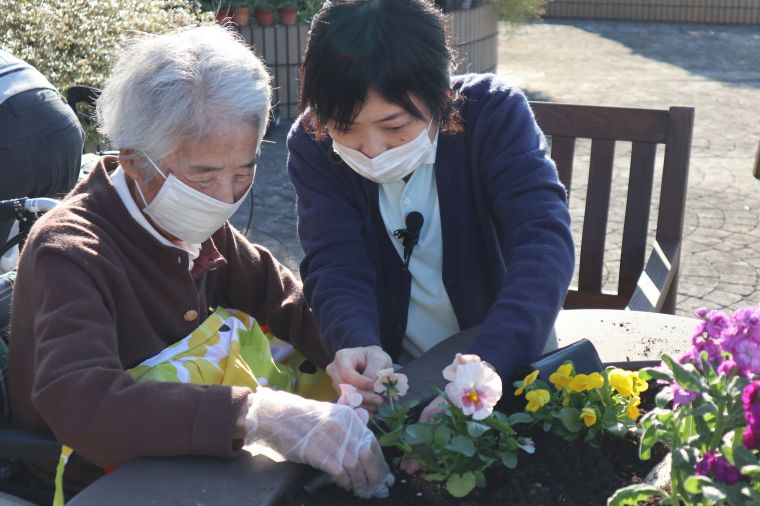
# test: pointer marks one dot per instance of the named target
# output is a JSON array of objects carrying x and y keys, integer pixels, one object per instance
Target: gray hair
[{"x": 170, "y": 88}]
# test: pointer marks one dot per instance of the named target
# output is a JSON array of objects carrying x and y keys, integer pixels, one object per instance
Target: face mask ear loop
[
  {"x": 137, "y": 185},
  {"x": 154, "y": 166}
]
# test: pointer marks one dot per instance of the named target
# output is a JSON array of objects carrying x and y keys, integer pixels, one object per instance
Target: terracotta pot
[
  {"x": 222, "y": 15},
  {"x": 288, "y": 15},
  {"x": 241, "y": 16},
  {"x": 264, "y": 17}
]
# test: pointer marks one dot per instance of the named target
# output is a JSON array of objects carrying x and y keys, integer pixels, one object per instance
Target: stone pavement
[{"x": 711, "y": 67}]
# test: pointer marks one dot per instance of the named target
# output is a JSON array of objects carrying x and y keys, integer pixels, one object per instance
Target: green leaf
[
  {"x": 390, "y": 439},
  {"x": 480, "y": 479},
  {"x": 753, "y": 471},
  {"x": 648, "y": 440},
  {"x": 385, "y": 411},
  {"x": 743, "y": 457},
  {"x": 633, "y": 494},
  {"x": 694, "y": 484},
  {"x": 648, "y": 373},
  {"x": 459, "y": 485},
  {"x": 476, "y": 429},
  {"x": 441, "y": 436},
  {"x": 419, "y": 433},
  {"x": 509, "y": 460},
  {"x": 686, "y": 375},
  {"x": 526, "y": 444},
  {"x": 461, "y": 444},
  {"x": 520, "y": 417},
  {"x": 713, "y": 493},
  {"x": 434, "y": 477},
  {"x": 570, "y": 418}
]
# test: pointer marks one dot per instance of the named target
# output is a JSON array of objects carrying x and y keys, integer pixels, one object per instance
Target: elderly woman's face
[{"x": 221, "y": 164}]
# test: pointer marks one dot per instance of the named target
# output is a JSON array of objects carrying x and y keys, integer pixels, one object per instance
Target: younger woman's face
[{"x": 382, "y": 125}]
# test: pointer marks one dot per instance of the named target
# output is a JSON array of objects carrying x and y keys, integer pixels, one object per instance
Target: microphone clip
[{"x": 410, "y": 235}]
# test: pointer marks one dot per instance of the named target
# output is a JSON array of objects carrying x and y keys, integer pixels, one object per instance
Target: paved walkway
[{"x": 711, "y": 67}]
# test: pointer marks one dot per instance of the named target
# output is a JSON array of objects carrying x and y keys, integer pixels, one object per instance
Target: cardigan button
[{"x": 191, "y": 315}]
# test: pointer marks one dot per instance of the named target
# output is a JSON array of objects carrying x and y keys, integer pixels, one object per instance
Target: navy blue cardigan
[{"x": 508, "y": 252}]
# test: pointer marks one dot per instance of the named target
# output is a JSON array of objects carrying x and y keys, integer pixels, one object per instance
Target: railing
[
  {"x": 474, "y": 33},
  {"x": 699, "y": 11}
]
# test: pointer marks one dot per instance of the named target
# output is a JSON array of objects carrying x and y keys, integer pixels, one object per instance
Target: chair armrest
[
  {"x": 655, "y": 281},
  {"x": 28, "y": 445}
]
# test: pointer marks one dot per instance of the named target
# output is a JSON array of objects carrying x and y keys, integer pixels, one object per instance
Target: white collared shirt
[
  {"x": 431, "y": 316},
  {"x": 119, "y": 180}
]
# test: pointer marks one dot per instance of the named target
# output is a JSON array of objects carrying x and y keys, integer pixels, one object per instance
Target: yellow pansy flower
[
  {"x": 588, "y": 415},
  {"x": 639, "y": 385},
  {"x": 536, "y": 399},
  {"x": 562, "y": 377},
  {"x": 621, "y": 381},
  {"x": 527, "y": 380},
  {"x": 595, "y": 380},
  {"x": 583, "y": 382},
  {"x": 633, "y": 408}
]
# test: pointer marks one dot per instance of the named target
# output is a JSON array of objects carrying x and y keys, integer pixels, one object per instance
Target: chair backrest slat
[
  {"x": 595, "y": 218},
  {"x": 675, "y": 178},
  {"x": 645, "y": 129},
  {"x": 593, "y": 122},
  {"x": 636, "y": 224},
  {"x": 563, "y": 151}
]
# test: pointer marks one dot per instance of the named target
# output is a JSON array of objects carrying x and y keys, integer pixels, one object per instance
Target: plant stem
[
  {"x": 718, "y": 429},
  {"x": 675, "y": 499}
]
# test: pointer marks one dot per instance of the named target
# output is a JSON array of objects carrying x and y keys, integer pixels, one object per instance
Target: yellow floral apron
[{"x": 228, "y": 348}]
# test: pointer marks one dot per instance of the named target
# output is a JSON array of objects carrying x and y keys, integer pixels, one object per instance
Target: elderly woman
[{"x": 134, "y": 258}]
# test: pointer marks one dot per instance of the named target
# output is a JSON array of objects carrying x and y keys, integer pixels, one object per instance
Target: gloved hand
[
  {"x": 358, "y": 367},
  {"x": 327, "y": 436}
]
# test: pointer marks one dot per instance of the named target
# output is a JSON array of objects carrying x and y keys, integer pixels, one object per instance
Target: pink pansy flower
[
  {"x": 394, "y": 383},
  {"x": 450, "y": 372},
  {"x": 349, "y": 395},
  {"x": 476, "y": 389}
]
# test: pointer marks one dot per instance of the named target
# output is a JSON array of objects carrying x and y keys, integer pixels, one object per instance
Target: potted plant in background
[
  {"x": 288, "y": 11},
  {"x": 241, "y": 13},
  {"x": 307, "y": 8},
  {"x": 263, "y": 10},
  {"x": 223, "y": 13}
]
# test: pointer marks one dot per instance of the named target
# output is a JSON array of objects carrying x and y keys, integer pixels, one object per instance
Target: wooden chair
[{"x": 647, "y": 288}]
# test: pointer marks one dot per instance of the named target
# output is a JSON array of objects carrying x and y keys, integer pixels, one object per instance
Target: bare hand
[
  {"x": 434, "y": 408},
  {"x": 358, "y": 367}
]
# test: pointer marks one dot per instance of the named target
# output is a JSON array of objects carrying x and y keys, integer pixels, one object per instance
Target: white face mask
[
  {"x": 391, "y": 165},
  {"x": 185, "y": 212}
]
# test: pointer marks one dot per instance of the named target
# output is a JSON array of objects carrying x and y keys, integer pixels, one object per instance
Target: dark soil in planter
[{"x": 559, "y": 473}]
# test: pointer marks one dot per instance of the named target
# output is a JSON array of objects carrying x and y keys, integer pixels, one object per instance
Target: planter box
[
  {"x": 474, "y": 33},
  {"x": 700, "y": 11}
]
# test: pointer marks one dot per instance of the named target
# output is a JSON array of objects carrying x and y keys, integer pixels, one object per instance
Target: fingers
[
  {"x": 434, "y": 408},
  {"x": 410, "y": 466},
  {"x": 346, "y": 366}
]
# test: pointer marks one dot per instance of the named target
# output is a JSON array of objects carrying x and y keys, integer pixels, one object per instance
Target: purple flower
[
  {"x": 746, "y": 354},
  {"x": 748, "y": 322},
  {"x": 682, "y": 395},
  {"x": 721, "y": 467},
  {"x": 727, "y": 473},
  {"x": 705, "y": 466},
  {"x": 751, "y": 406},
  {"x": 715, "y": 322}
]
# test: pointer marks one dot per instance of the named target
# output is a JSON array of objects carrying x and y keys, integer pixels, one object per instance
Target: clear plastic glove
[
  {"x": 358, "y": 367},
  {"x": 330, "y": 437}
]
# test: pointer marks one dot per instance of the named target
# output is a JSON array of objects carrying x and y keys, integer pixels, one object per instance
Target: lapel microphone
[{"x": 410, "y": 235}]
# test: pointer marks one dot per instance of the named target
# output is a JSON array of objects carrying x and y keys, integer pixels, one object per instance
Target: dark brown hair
[{"x": 396, "y": 48}]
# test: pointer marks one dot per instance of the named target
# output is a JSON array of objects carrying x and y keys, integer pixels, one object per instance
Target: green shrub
[
  {"x": 519, "y": 11},
  {"x": 73, "y": 41}
]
